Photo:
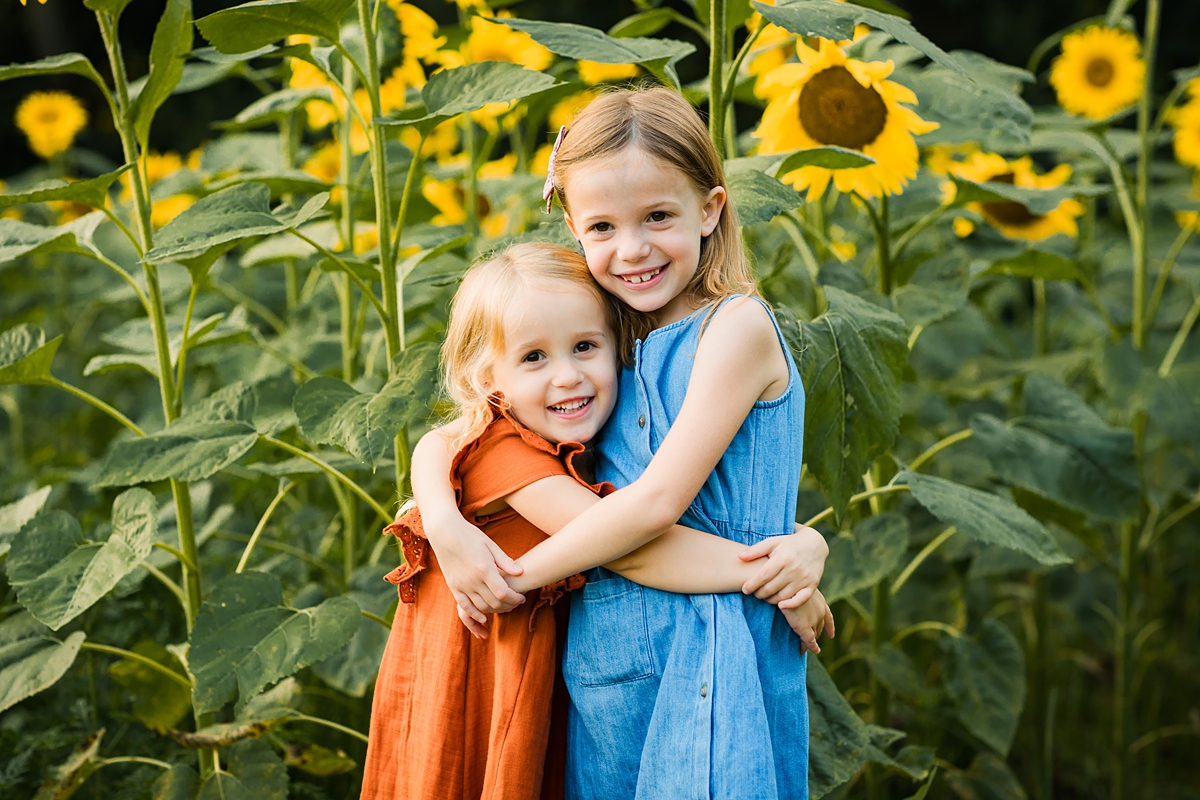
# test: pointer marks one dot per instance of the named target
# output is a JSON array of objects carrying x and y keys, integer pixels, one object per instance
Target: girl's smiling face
[
  {"x": 641, "y": 222},
  {"x": 558, "y": 370}
]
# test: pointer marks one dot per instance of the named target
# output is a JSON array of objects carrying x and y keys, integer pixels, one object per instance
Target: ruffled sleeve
[{"x": 411, "y": 532}]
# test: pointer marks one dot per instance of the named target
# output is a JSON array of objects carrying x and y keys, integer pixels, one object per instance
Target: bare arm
[{"x": 738, "y": 358}]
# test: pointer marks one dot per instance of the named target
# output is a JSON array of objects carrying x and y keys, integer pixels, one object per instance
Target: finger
[
  {"x": 503, "y": 562},
  {"x": 830, "y": 626},
  {"x": 475, "y": 609},
  {"x": 798, "y": 599},
  {"x": 769, "y": 571},
  {"x": 502, "y": 592},
  {"x": 476, "y": 629},
  {"x": 776, "y": 585},
  {"x": 759, "y": 550}
]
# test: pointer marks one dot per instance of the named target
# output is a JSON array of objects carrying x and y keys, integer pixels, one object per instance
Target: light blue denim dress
[{"x": 675, "y": 697}]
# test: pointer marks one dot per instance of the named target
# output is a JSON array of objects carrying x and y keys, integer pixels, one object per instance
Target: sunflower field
[{"x": 214, "y": 364}]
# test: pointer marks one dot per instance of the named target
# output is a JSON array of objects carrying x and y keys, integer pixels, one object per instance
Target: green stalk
[
  {"x": 1164, "y": 272},
  {"x": 471, "y": 190},
  {"x": 95, "y": 401},
  {"x": 952, "y": 439},
  {"x": 143, "y": 660},
  {"x": 891, "y": 488},
  {"x": 1041, "y": 326},
  {"x": 716, "y": 74},
  {"x": 880, "y": 623},
  {"x": 336, "y": 473},
  {"x": 1122, "y": 702},
  {"x": 183, "y": 346},
  {"x": 920, "y": 557},
  {"x": 345, "y": 295},
  {"x": 1181, "y": 335},
  {"x": 262, "y": 525},
  {"x": 1039, "y": 689},
  {"x": 1150, "y": 44}
]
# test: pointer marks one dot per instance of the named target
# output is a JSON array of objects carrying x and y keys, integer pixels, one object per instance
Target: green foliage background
[{"x": 206, "y": 425}]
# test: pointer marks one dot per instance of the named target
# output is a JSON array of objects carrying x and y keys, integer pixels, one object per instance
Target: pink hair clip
[{"x": 548, "y": 188}]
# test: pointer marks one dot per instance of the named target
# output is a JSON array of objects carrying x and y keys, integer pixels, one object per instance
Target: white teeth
[
  {"x": 574, "y": 405},
  {"x": 643, "y": 277}
]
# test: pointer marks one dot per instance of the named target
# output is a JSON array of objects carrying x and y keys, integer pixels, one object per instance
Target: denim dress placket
[{"x": 673, "y": 696}]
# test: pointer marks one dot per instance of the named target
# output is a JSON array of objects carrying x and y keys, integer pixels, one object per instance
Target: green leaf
[
  {"x": 19, "y": 239},
  {"x": 14, "y": 515},
  {"x": 838, "y": 738},
  {"x": 417, "y": 259},
  {"x": 1038, "y": 201},
  {"x": 274, "y": 107},
  {"x": 67, "y": 777},
  {"x": 852, "y": 360},
  {"x": 981, "y": 108},
  {"x": 178, "y": 783},
  {"x": 30, "y": 659},
  {"x": 829, "y": 157},
  {"x": 254, "y": 25},
  {"x": 937, "y": 289},
  {"x": 355, "y": 668},
  {"x": 861, "y": 559},
  {"x": 579, "y": 41},
  {"x": 989, "y": 778},
  {"x": 168, "y": 50},
  {"x": 331, "y": 411},
  {"x": 253, "y": 772},
  {"x": 1034, "y": 263},
  {"x": 64, "y": 64},
  {"x": 245, "y": 638},
  {"x": 185, "y": 451},
  {"x": 317, "y": 760},
  {"x": 58, "y": 574},
  {"x": 91, "y": 192},
  {"x": 896, "y": 671},
  {"x": 986, "y": 517},
  {"x": 760, "y": 198},
  {"x": 644, "y": 23},
  {"x": 114, "y": 7},
  {"x": 471, "y": 87},
  {"x": 25, "y": 355},
  {"x": 230, "y": 215},
  {"x": 835, "y": 21},
  {"x": 159, "y": 702},
  {"x": 985, "y": 677}
]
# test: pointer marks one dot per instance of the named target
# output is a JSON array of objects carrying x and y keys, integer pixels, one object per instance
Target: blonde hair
[
  {"x": 475, "y": 334},
  {"x": 662, "y": 124}
]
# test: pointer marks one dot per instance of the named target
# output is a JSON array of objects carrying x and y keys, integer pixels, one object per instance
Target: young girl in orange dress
[{"x": 530, "y": 359}]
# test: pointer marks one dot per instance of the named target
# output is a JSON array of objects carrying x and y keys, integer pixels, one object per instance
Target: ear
[
  {"x": 710, "y": 215},
  {"x": 571, "y": 224}
]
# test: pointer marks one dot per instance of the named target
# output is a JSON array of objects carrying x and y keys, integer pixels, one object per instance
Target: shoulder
[
  {"x": 740, "y": 323},
  {"x": 508, "y": 446}
]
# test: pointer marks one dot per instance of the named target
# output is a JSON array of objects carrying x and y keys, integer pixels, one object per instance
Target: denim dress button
[
  {"x": 704, "y": 690},
  {"x": 642, "y": 421}
]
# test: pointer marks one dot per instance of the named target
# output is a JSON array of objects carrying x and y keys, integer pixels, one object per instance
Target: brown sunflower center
[
  {"x": 1099, "y": 72},
  {"x": 48, "y": 116},
  {"x": 835, "y": 109},
  {"x": 1008, "y": 212}
]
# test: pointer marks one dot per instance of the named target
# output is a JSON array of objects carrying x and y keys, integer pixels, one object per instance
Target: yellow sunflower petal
[{"x": 1099, "y": 72}]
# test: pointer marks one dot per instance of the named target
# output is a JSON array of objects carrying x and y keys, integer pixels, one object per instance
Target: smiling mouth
[
  {"x": 570, "y": 408},
  {"x": 642, "y": 277}
]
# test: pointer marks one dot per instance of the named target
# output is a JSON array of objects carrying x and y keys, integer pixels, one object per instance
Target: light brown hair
[
  {"x": 663, "y": 125},
  {"x": 475, "y": 334}
]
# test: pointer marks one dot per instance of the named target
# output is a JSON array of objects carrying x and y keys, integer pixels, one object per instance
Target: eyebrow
[{"x": 534, "y": 344}]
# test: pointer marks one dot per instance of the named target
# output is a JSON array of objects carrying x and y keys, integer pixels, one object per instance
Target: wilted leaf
[
  {"x": 252, "y": 772},
  {"x": 317, "y": 760},
  {"x": 171, "y": 44},
  {"x": 245, "y": 638},
  {"x": 760, "y": 198},
  {"x": 331, "y": 411},
  {"x": 58, "y": 574},
  {"x": 250, "y": 26},
  {"x": 14, "y": 515},
  {"x": 30, "y": 659},
  {"x": 986, "y": 517},
  {"x": 985, "y": 677},
  {"x": 838, "y": 738},
  {"x": 159, "y": 702},
  {"x": 852, "y": 360},
  {"x": 177, "y": 783},
  {"x": 855, "y": 562},
  {"x": 67, "y": 777},
  {"x": 91, "y": 192}
]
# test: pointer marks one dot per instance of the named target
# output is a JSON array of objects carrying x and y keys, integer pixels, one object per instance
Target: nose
[
  {"x": 633, "y": 246},
  {"x": 566, "y": 374}
]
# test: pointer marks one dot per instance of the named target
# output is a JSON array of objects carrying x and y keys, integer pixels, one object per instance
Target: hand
[
  {"x": 809, "y": 620},
  {"x": 795, "y": 564},
  {"x": 477, "y": 629},
  {"x": 472, "y": 565}
]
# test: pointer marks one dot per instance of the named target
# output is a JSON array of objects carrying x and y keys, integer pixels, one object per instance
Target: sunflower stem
[
  {"x": 1164, "y": 272},
  {"x": 1180, "y": 337},
  {"x": 716, "y": 74},
  {"x": 1040, "y": 324},
  {"x": 1150, "y": 41}
]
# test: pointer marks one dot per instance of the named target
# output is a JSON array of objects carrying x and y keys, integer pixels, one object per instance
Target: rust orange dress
[{"x": 460, "y": 718}]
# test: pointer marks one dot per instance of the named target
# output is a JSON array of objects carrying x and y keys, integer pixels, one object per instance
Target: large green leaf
[
  {"x": 471, "y": 87},
  {"x": 838, "y": 738},
  {"x": 989, "y": 778},
  {"x": 212, "y": 434},
  {"x": 579, "y": 41},
  {"x": 981, "y": 108},
  {"x": 14, "y": 515},
  {"x": 245, "y": 638},
  {"x": 859, "y": 560},
  {"x": 896, "y": 671},
  {"x": 30, "y": 659},
  {"x": 1038, "y": 201},
  {"x": 252, "y": 772},
  {"x": 67, "y": 777},
  {"x": 1035, "y": 263},
  {"x": 230, "y": 215},
  {"x": 760, "y": 198},
  {"x": 19, "y": 239},
  {"x": 936, "y": 290},
  {"x": 258, "y": 24},
  {"x": 271, "y": 109},
  {"x": 178, "y": 783},
  {"x": 331, "y": 411},
  {"x": 852, "y": 360},
  {"x": 317, "y": 760},
  {"x": 985, "y": 677},
  {"x": 25, "y": 355},
  {"x": 831, "y": 20},
  {"x": 90, "y": 192},
  {"x": 159, "y": 702},
  {"x": 171, "y": 44},
  {"x": 63, "y": 64},
  {"x": 354, "y": 669},
  {"x": 58, "y": 574},
  {"x": 986, "y": 517}
]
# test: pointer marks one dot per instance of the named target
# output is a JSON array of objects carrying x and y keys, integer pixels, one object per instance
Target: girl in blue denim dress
[{"x": 675, "y": 696}]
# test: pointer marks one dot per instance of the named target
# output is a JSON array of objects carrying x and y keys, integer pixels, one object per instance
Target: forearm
[
  {"x": 687, "y": 561},
  {"x": 431, "y": 482}
]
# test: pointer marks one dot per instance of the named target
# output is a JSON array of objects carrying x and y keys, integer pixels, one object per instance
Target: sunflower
[
  {"x": 1013, "y": 219},
  {"x": 593, "y": 72},
  {"x": 1099, "y": 72},
  {"x": 449, "y": 199},
  {"x": 829, "y": 99},
  {"x": 51, "y": 121},
  {"x": 772, "y": 49},
  {"x": 440, "y": 143},
  {"x": 1186, "y": 121},
  {"x": 325, "y": 164},
  {"x": 43, "y": 2},
  {"x": 565, "y": 110},
  {"x": 420, "y": 31},
  {"x": 167, "y": 209},
  {"x": 494, "y": 41},
  {"x": 942, "y": 158}
]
